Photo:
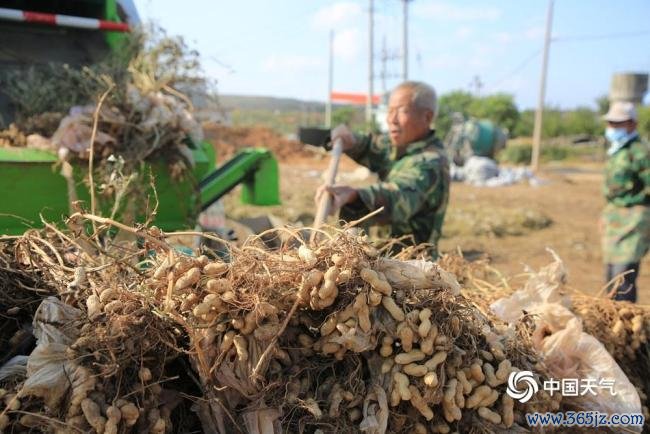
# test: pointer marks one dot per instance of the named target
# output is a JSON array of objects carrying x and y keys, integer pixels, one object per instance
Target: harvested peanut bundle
[
  {"x": 624, "y": 329},
  {"x": 327, "y": 336}
]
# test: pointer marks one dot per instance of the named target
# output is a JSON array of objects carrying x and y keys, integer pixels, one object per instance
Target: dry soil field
[{"x": 507, "y": 225}]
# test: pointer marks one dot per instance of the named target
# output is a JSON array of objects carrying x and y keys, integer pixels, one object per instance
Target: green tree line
[{"x": 501, "y": 109}]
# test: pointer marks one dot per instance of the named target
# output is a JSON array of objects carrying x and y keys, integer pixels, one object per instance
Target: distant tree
[
  {"x": 449, "y": 103},
  {"x": 343, "y": 115},
  {"x": 582, "y": 120},
  {"x": 524, "y": 125},
  {"x": 500, "y": 108},
  {"x": 552, "y": 123},
  {"x": 644, "y": 122},
  {"x": 455, "y": 101},
  {"x": 603, "y": 104}
]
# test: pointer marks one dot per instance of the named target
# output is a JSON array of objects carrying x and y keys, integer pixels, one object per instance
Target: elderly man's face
[{"x": 406, "y": 123}]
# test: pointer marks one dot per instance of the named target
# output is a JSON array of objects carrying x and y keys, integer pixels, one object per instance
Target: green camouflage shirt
[
  {"x": 627, "y": 175},
  {"x": 626, "y": 218},
  {"x": 413, "y": 188}
]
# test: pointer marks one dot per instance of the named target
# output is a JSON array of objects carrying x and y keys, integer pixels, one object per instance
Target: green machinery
[
  {"x": 30, "y": 183},
  {"x": 31, "y": 186},
  {"x": 479, "y": 137}
]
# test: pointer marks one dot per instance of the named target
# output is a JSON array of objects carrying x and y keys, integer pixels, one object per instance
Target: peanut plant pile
[
  {"x": 127, "y": 109},
  {"x": 325, "y": 336},
  {"x": 623, "y": 328}
]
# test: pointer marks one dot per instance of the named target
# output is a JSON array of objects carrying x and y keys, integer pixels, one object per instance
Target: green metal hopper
[{"x": 31, "y": 185}]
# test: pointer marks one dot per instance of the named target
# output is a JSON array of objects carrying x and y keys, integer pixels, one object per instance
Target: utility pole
[
  {"x": 370, "y": 64},
  {"x": 384, "y": 58},
  {"x": 328, "y": 107},
  {"x": 387, "y": 56},
  {"x": 477, "y": 84},
  {"x": 405, "y": 45},
  {"x": 537, "y": 131}
]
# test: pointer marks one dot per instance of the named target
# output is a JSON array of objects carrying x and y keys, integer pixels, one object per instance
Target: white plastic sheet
[
  {"x": 568, "y": 351},
  {"x": 48, "y": 368},
  {"x": 572, "y": 353},
  {"x": 485, "y": 172}
]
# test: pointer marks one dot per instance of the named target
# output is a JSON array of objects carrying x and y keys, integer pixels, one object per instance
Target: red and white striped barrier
[
  {"x": 61, "y": 20},
  {"x": 354, "y": 98}
]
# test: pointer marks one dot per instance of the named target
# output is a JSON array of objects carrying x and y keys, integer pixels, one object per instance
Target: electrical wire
[
  {"x": 533, "y": 55},
  {"x": 518, "y": 68},
  {"x": 604, "y": 36}
]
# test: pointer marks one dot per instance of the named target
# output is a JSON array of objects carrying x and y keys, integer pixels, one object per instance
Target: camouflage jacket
[
  {"x": 626, "y": 218},
  {"x": 413, "y": 188},
  {"x": 627, "y": 175}
]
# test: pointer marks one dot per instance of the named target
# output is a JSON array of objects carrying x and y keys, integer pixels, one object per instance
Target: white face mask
[{"x": 617, "y": 137}]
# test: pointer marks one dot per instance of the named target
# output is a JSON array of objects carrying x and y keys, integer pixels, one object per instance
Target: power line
[
  {"x": 534, "y": 55},
  {"x": 518, "y": 68},
  {"x": 477, "y": 85},
  {"x": 224, "y": 65},
  {"x": 603, "y": 36}
]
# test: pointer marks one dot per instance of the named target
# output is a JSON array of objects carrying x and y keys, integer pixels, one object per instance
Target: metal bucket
[{"x": 629, "y": 87}]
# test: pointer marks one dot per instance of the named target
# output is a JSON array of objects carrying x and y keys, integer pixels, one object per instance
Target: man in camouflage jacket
[
  {"x": 626, "y": 217},
  {"x": 411, "y": 165}
]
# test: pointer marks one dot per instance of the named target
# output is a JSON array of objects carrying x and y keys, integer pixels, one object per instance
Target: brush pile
[
  {"x": 125, "y": 110},
  {"x": 135, "y": 337},
  {"x": 623, "y": 329}
]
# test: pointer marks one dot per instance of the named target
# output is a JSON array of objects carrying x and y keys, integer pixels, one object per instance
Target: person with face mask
[
  {"x": 626, "y": 217},
  {"x": 411, "y": 166}
]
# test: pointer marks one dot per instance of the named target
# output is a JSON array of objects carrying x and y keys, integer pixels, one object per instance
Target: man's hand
[
  {"x": 343, "y": 132},
  {"x": 341, "y": 194}
]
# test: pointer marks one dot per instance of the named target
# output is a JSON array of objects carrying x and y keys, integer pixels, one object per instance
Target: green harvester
[{"x": 31, "y": 186}]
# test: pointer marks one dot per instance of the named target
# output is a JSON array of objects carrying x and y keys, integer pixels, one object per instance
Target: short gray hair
[{"x": 423, "y": 96}]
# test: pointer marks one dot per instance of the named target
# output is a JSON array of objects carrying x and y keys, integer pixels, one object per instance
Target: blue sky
[{"x": 280, "y": 47}]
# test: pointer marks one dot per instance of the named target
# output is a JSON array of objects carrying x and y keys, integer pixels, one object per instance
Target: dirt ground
[
  {"x": 568, "y": 197},
  {"x": 571, "y": 197},
  {"x": 227, "y": 140}
]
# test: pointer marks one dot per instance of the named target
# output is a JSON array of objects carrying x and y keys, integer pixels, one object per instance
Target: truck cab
[
  {"x": 77, "y": 33},
  {"x": 37, "y": 32}
]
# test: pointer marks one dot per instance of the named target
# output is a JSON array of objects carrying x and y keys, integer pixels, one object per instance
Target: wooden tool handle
[{"x": 325, "y": 203}]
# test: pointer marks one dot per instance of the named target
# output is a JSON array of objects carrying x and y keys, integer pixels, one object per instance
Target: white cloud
[
  {"x": 514, "y": 84},
  {"x": 478, "y": 63},
  {"x": 447, "y": 61},
  {"x": 453, "y": 12},
  {"x": 335, "y": 15},
  {"x": 291, "y": 63},
  {"x": 504, "y": 37},
  {"x": 347, "y": 44},
  {"x": 464, "y": 32},
  {"x": 535, "y": 33}
]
